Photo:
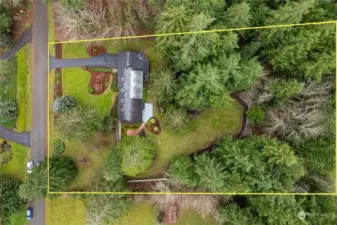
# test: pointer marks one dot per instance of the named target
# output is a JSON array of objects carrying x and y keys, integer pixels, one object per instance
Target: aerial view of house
[{"x": 141, "y": 112}]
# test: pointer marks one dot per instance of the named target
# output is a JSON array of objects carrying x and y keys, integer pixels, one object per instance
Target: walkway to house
[
  {"x": 21, "y": 138},
  {"x": 25, "y": 38},
  {"x": 105, "y": 60}
]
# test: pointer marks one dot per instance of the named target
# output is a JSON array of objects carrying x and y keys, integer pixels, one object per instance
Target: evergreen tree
[
  {"x": 211, "y": 173},
  {"x": 182, "y": 170},
  {"x": 137, "y": 154},
  {"x": 62, "y": 172},
  {"x": 204, "y": 88},
  {"x": 291, "y": 13},
  {"x": 112, "y": 167},
  {"x": 10, "y": 200},
  {"x": 283, "y": 89},
  {"x": 237, "y": 15}
]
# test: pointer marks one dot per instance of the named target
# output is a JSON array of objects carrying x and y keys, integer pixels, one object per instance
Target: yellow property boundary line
[{"x": 185, "y": 33}]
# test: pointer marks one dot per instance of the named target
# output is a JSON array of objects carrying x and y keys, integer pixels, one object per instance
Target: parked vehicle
[
  {"x": 29, "y": 214},
  {"x": 29, "y": 166}
]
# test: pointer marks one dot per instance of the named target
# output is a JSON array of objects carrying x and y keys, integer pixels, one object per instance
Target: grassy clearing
[
  {"x": 191, "y": 217},
  {"x": 17, "y": 166},
  {"x": 139, "y": 214},
  {"x": 67, "y": 210},
  {"x": 78, "y": 150},
  {"x": 19, "y": 218},
  {"x": 204, "y": 129},
  {"x": 23, "y": 96}
]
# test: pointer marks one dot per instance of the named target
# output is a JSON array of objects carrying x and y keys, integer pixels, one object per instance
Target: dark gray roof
[{"x": 133, "y": 70}]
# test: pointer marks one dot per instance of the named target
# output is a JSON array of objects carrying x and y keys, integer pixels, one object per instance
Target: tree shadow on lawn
[{"x": 93, "y": 153}]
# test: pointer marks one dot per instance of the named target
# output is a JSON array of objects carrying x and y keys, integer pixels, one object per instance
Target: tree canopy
[
  {"x": 137, "y": 154},
  {"x": 10, "y": 200},
  {"x": 254, "y": 164},
  {"x": 62, "y": 172},
  {"x": 78, "y": 123}
]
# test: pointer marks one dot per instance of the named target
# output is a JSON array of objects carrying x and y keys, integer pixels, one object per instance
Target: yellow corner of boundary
[{"x": 189, "y": 193}]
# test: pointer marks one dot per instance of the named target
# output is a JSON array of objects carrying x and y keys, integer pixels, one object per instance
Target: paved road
[
  {"x": 39, "y": 94},
  {"x": 25, "y": 38},
  {"x": 21, "y": 138}
]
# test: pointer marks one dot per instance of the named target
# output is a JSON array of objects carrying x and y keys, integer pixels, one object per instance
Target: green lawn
[
  {"x": 75, "y": 80},
  {"x": 63, "y": 211},
  {"x": 23, "y": 96},
  {"x": 196, "y": 135},
  {"x": 191, "y": 217},
  {"x": 139, "y": 214},
  {"x": 19, "y": 218},
  {"x": 17, "y": 166}
]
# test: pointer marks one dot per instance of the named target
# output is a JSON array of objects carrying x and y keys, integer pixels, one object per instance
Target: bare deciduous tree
[{"x": 104, "y": 19}]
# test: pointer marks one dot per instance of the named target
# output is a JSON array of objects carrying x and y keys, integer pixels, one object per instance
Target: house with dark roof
[{"x": 133, "y": 71}]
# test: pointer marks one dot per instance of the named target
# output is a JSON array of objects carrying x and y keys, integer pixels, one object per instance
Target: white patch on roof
[
  {"x": 136, "y": 84},
  {"x": 147, "y": 112}
]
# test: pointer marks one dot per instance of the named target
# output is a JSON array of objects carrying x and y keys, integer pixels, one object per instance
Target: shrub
[
  {"x": 175, "y": 118},
  {"x": 57, "y": 74},
  {"x": 62, "y": 171},
  {"x": 137, "y": 154},
  {"x": 5, "y": 40},
  {"x": 109, "y": 124},
  {"x": 164, "y": 85},
  {"x": 91, "y": 89},
  {"x": 63, "y": 104},
  {"x": 59, "y": 146},
  {"x": 182, "y": 170},
  {"x": 5, "y": 157},
  {"x": 11, "y": 202},
  {"x": 255, "y": 115}
]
